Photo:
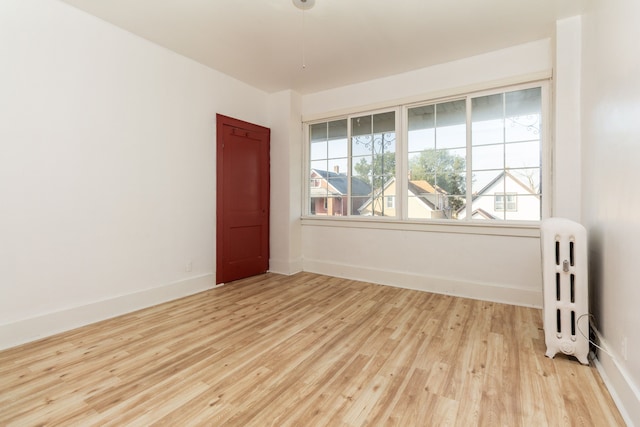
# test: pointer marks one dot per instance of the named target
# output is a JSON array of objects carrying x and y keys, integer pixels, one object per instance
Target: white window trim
[
  {"x": 494, "y": 228},
  {"x": 542, "y": 80}
]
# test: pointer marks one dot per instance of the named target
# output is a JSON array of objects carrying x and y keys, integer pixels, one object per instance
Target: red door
[{"x": 242, "y": 225}]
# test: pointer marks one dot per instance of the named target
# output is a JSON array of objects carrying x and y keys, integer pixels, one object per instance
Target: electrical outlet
[
  {"x": 623, "y": 348},
  {"x": 188, "y": 266}
]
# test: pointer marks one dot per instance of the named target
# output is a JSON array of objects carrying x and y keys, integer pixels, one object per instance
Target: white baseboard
[
  {"x": 286, "y": 267},
  {"x": 27, "y": 330},
  {"x": 439, "y": 285},
  {"x": 624, "y": 392}
]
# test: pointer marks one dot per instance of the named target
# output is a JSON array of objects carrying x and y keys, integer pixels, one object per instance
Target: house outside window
[{"x": 473, "y": 157}]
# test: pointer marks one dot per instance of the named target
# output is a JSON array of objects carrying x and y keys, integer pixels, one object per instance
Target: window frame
[
  {"x": 348, "y": 117},
  {"x": 401, "y": 129}
]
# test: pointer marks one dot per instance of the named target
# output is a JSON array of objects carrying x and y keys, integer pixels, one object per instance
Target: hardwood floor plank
[{"x": 307, "y": 350}]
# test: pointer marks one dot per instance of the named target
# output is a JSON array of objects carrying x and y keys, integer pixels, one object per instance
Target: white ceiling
[{"x": 263, "y": 42}]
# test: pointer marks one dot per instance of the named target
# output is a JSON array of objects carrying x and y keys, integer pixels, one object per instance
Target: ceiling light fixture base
[{"x": 304, "y": 4}]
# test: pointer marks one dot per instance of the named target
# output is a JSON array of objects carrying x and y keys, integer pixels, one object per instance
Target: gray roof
[{"x": 340, "y": 182}]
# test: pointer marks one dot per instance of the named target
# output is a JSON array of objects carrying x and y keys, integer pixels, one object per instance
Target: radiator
[{"x": 565, "y": 288}]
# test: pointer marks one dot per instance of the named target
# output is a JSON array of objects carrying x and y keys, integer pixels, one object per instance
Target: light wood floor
[{"x": 305, "y": 350}]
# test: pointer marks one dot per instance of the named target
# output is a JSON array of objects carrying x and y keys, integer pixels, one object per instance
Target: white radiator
[{"x": 565, "y": 287}]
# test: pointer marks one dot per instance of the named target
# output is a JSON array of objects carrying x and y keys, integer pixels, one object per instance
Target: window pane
[
  {"x": 527, "y": 179},
  {"x": 453, "y": 206},
  {"x": 483, "y": 182},
  {"x": 362, "y": 165},
  {"x": 417, "y": 208},
  {"x": 451, "y": 113},
  {"x": 384, "y": 159},
  {"x": 338, "y": 129},
  {"x": 379, "y": 182},
  {"x": 421, "y": 121},
  {"x": 488, "y": 107},
  {"x": 338, "y": 148},
  {"x": 525, "y": 128},
  {"x": 384, "y": 143},
  {"x": 444, "y": 169},
  {"x": 484, "y": 208},
  {"x": 522, "y": 112},
  {"x": 361, "y": 125},
  {"x": 487, "y": 132},
  {"x": 420, "y": 118},
  {"x": 451, "y": 136},
  {"x": 487, "y": 117},
  {"x": 384, "y": 122},
  {"x": 318, "y": 132},
  {"x": 422, "y": 139},
  {"x": 317, "y": 189},
  {"x": 450, "y": 183},
  {"x": 450, "y": 160},
  {"x": 335, "y": 206},
  {"x": 320, "y": 165},
  {"x": 337, "y": 185},
  {"x": 522, "y": 154},
  {"x": 361, "y": 145},
  {"x": 389, "y": 207},
  {"x": 360, "y": 194},
  {"x": 527, "y": 208},
  {"x": 451, "y": 121},
  {"x": 488, "y": 157},
  {"x": 338, "y": 166},
  {"x": 318, "y": 150}
]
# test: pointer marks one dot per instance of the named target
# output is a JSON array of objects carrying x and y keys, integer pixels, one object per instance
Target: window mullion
[
  {"x": 402, "y": 167},
  {"x": 504, "y": 154},
  {"x": 469, "y": 164},
  {"x": 349, "y": 165}
]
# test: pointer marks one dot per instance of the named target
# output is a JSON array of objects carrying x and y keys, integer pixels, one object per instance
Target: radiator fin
[{"x": 564, "y": 278}]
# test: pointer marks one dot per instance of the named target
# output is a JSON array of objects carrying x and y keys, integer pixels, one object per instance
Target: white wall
[
  {"x": 488, "y": 267},
  {"x": 567, "y": 148},
  {"x": 107, "y": 169},
  {"x": 610, "y": 178},
  {"x": 475, "y": 72},
  {"x": 459, "y": 261},
  {"x": 286, "y": 185}
]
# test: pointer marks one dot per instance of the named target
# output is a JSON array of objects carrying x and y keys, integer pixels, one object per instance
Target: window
[
  {"x": 373, "y": 156},
  {"x": 391, "y": 202},
  {"x": 512, "y": 202},
  {"x": 354, "y": 159},
  {"x": 475, "y": 157},
  {"x": 506, "y": 154},
  {"x": 328, "y": 160},
  {"x": 437, "y": 140}
]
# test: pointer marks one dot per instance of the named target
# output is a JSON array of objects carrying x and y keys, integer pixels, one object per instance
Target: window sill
[{"x": 503, "y": 228}]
